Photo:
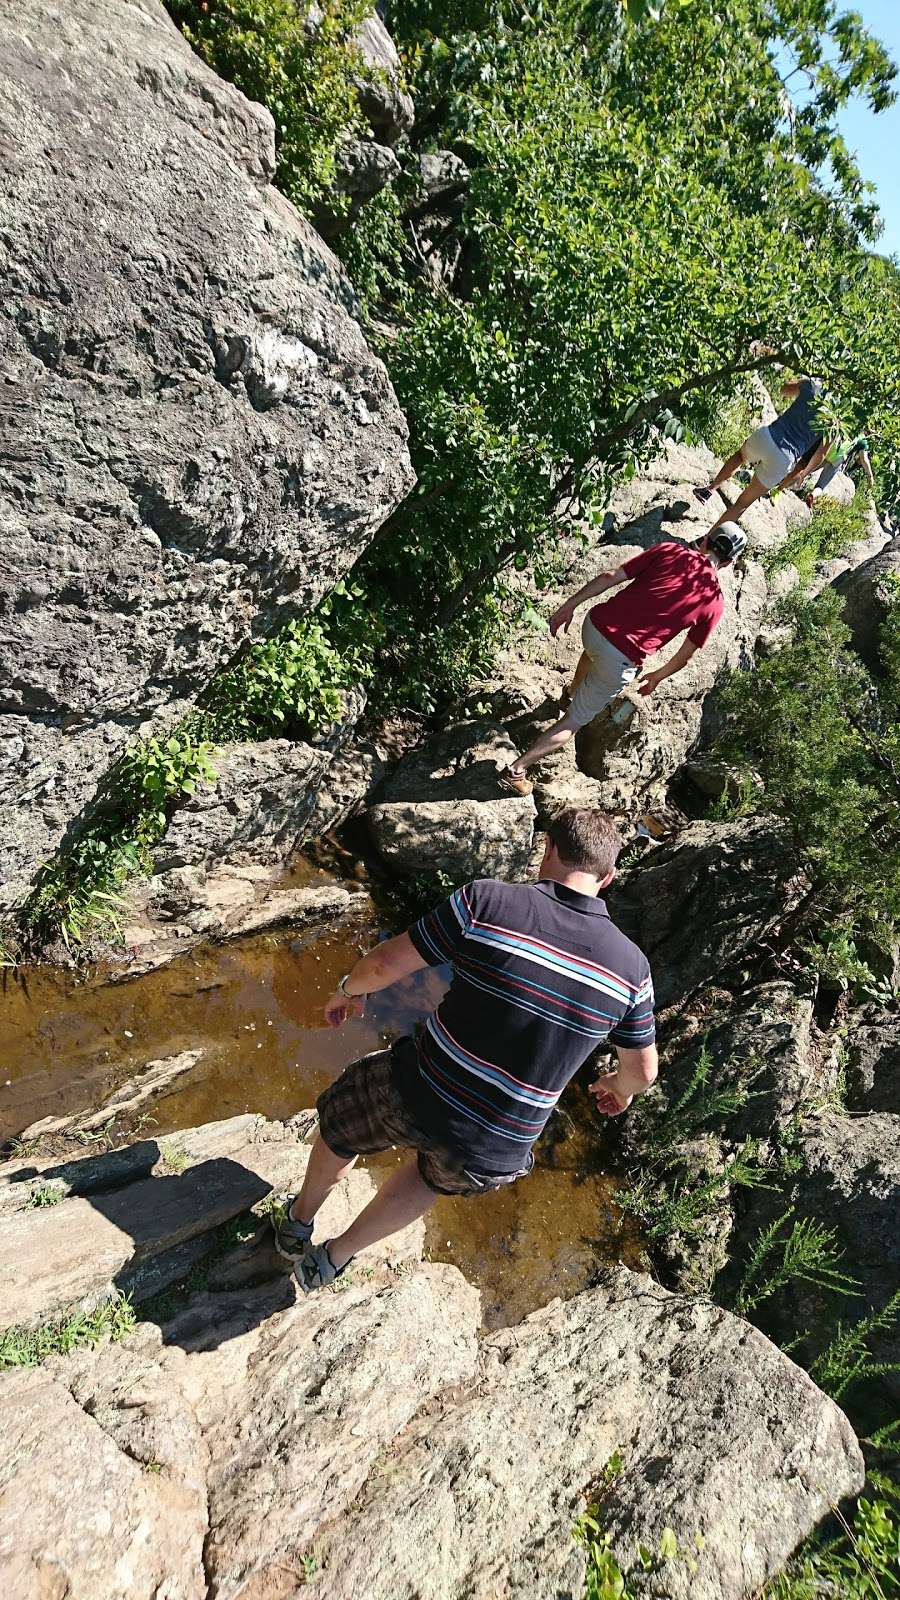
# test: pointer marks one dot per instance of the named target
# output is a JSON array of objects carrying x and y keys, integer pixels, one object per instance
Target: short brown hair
[{"x": 587, "y": 840}]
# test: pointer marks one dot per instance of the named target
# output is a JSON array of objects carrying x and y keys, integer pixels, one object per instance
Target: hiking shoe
[
  {"x": 512, "y": 783},
  {"x": 291, "y": 1238},
  {"x": 316, "y": 1270}
]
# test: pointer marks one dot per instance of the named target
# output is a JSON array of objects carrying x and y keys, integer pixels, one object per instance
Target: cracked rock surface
[{"x": 247, "y": 1443}]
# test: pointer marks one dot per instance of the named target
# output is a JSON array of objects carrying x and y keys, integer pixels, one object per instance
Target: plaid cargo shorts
[{"x": 363, "y": 1112}]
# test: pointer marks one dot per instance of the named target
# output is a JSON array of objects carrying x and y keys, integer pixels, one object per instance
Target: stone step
[{"x": 78, "y": 1251}]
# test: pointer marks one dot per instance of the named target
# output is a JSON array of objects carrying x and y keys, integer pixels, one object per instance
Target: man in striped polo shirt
[{"x": 541, "y": 977}]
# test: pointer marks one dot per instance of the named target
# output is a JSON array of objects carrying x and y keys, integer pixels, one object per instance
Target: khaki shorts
[
  {"x": 609, "y": 672},
  {"x": 768, "y": 460},
  {"x": 364, "y": 1112}
]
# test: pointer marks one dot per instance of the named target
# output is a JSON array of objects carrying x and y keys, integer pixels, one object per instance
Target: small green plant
[
  {"x": 831, "y": 528},
  {"x": 28, "y": 1347},
  {"x": 847, "y": 1358},
  {"x": 606, "y": 1578},
  {"x": 46, "y": 1194},
  {"x": 293, "y": 683},
  {"x": 861, "y": 1563},
  {"x": 836, "y": 959},
  {"x": 154, "y": 774},
  {"x": 732, "y": 424},
  {"x": 173, "y": 1159},
  {"x": 739, "y": 798},
  {"x": 808, "y": 1251}
]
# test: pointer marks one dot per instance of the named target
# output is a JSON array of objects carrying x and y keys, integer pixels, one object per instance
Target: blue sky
[{"x": 876, "y": 139}]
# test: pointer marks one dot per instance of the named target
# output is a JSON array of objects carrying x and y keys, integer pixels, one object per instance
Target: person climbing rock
[
  {"x": 775, "y": 451},
  {"x": 541, "y": 977},
  {"x": 839, "y": 458},
  {"x": 671, "y": 586}
]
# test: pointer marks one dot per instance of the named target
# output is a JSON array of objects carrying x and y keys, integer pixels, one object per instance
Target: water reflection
[{"x": 255, "y": 1009}]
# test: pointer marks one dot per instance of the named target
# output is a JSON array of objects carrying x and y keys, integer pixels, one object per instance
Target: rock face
[
  {"x": 867, "y": 592},
  {"x": 851, "y": 1181},
  {"x": 199, "y": 440},
  {"x": 873, "y": 1061},
  {"x": 367, "y": 165},
  {"x": 441, "y": 810},
  {"x": 361, "y": 1441},
  {"x": 696, "y": 905}
]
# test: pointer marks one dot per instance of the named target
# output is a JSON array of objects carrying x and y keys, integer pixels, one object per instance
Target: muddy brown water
[{"x": 254, "y": 1007}]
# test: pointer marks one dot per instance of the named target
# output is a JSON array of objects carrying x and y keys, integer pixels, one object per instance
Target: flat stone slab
[{"x": 81, "y": 1249}]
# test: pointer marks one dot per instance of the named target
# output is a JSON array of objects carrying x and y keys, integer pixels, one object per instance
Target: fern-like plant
[{"x": 809, "y": 1252}]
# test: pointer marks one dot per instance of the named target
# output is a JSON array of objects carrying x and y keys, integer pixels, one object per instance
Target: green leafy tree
[
  {"x": 823, "y": 735},
  {"x": 306, "y": 74},
  {"x": 644, "y": 221}
]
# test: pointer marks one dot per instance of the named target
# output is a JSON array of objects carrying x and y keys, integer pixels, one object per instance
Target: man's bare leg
[
  {"x": 580, "y": 673},
  {"x": 726, "y": 471},
  {"x": 743, "y": 503},
  {"x": 324, "y": 1171},
  {"x": 402, "y": 1199},
  {"x": 546, "y": 745}
]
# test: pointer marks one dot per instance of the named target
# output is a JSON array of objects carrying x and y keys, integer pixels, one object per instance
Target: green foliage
[
  {"x": 78, "y": 893},
  {"x": 836, "y": 959},
  {"x": 808, "y": 1252},
  {"x": 606, "y": 1579},
  {"x": 863, "y": 1563},
  {"x": 290, "y": 685},
  {"x": 824, "y": 737},
  {"x": 673, "y": 1197},
  {"x": 28, "y": 1347},
  {"x": 730, "y": 424},
  {"x": 832, "y": 528},
  {"x": 46, "y": 1194},
  {"x": 739, "y": 798},
  {"x": 154, "y": 774},
  {"x": 847, "y": 1358},
  {"x": 305, "y": 75},
  {"x": 629, "y": 206}
]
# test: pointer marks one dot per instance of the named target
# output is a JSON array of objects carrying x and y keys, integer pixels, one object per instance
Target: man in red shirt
[{"x": 671, "y": 586}]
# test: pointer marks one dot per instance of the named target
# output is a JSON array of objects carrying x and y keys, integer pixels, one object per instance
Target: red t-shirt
[{"x": 674, "y": 587}]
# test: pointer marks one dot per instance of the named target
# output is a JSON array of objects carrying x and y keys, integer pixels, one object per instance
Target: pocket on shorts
[{"x": 484, "y": 1181}]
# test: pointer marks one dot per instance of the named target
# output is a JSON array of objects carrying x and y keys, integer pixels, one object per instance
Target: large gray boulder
[
  {"x": 697, "y": 905},
  {"x": 719, "y": 1435},
  {"x": 199, "y": 441},
  {"x": 442, "y": 812},
  {"x": 262, "y": 805},
  {"x": 868, "y": 592},
  {"x": 362, "y": 1441}
]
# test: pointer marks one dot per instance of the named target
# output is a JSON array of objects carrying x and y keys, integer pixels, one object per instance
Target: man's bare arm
[
  {"x": 386, "y": 964},
  {"x": 805, "y": 467},
  {"x": 679, "y": 659},
  {"x": 637, "y": 1071},
  {"x": 564, "y": 614}
]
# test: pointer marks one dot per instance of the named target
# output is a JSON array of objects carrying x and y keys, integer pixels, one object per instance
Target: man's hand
[
  {"x": 342, "y": 1006},
  {"x": 650, "y": 682},
  {"x": 607, "y": 1098},
  {"x": 560, "y": 619}
]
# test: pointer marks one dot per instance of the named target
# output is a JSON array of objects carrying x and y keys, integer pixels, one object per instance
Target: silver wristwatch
[{"x": 341, "y": 982}]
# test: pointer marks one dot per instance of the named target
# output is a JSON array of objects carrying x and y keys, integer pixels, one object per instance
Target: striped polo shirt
[{"x": 541, "y": 977}]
